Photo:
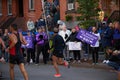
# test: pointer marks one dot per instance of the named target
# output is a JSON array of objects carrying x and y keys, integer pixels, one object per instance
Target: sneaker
[
  {"x": 57, "y": 75},
  {"x": 104, "y": 61},
  {"x": 66, "y": 64},
  {"x": 107, "y": 61},
  {"x": 31, "y": 61}
]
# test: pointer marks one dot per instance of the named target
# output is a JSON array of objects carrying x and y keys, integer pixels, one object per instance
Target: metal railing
[
  {"x": 7, "y": 22},
  {"x": 115, "y": 16}
]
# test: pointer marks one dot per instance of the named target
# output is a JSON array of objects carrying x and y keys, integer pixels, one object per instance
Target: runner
[
  {"x": 16, "y": 56},
  {"x": 58, "y": 46}
]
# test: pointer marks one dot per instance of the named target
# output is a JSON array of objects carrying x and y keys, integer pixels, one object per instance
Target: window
[
  {"x": 0, "y": 7},
  {"x": 70, "y": 5},
  {"x": 9, "y": 2},
  {"x": 31, "y": 4}
]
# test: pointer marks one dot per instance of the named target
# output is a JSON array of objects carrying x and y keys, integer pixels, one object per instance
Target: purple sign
[{"x": 87, "y": 37}]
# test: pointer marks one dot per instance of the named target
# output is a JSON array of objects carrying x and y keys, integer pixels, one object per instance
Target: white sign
[{"x": 74, "y": 46}]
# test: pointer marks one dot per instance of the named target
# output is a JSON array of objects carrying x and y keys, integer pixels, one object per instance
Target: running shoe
[
  {"x": 66, "y": 64},
  {"x": 57, "y": 75}
]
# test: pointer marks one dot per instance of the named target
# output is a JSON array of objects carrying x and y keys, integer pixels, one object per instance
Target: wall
[{"x": 34, "y": 14}]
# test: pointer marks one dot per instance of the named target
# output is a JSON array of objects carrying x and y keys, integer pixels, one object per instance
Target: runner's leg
[
  {"x": 118, "y": 75},
  {"x": 11, "y": 71},
  {"x": 22, "y": 68},
  {"x": 54, "y": 58}
]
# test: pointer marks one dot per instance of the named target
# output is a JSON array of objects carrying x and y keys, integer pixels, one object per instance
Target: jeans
[{"x": 115, "y": 65}]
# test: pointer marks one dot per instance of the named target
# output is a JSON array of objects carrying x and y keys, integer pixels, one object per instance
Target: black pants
[
  {"x": 46, "y": 51},
  {"x": 39, "y": 50},
  {"x": 76, "y": 54},
  {"x": 30, "y": 54},
  {"x": 95, "y": 54}
]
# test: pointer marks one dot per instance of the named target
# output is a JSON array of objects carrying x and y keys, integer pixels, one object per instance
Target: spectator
[
  {"x": 30, "y": 25},
  {"x": 46, "y": 44},
  {"x": 30, "y": 48},
  {"x": 2, "y": 47},
  {"x": 6, "y": 41},
  {"x": 40, "y": 38},
  {"x": 61, "y": 24},
  {"x": 47, "y": 6},
  {"x": 114, "y": 60},
  {"x": 50, "y": 23},
  {"x": 36, "y": 22},
  {"x": 41, "y": 22},
  {"x": 106, "y": 39},
  {"x": 65, "y": 33},
  {"x": 116, "y": 35},
  {"x": 72, "y": 38},
  {"x": 95, "y": 48}
]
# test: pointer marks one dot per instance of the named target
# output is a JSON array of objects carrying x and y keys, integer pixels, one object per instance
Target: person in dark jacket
[
  {"x": 114, "y": 60},
  {"x": 72, "y": 38},
  {"x": 41, "y": 22},
  {"x": 106, "y": 39}
]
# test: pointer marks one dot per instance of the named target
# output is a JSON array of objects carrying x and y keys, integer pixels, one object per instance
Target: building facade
[
  {"x": 68, "y": 7},
  {"x": 33, "y": 9},
  {"x": 20, "y": 8},
  {"x": 109, "y": 6}
]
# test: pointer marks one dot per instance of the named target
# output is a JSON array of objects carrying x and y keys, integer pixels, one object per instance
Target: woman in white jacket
[{"x": 95, "y": 48}]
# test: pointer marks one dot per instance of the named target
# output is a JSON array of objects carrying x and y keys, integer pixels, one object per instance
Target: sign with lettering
[{"x": 87, "y": 37}]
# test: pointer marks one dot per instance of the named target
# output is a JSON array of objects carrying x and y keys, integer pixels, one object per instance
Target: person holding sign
[
  {"x": 72, "y": 38},
  {"x": 95, "y": 48}
]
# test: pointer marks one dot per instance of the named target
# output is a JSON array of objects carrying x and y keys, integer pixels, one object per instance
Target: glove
[{"x": 66, "y": 36}]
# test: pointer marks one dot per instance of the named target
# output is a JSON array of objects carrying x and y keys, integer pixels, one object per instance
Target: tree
[{"x": 89, "y": 11}]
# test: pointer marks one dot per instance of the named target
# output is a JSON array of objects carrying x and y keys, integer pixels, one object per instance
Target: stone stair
[{"x": 21, "y": 22}]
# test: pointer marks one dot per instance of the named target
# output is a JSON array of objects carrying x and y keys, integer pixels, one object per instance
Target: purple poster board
[{"x": 87, "y": 37}]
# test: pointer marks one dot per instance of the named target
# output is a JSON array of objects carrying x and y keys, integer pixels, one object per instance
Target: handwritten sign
[{"x": 74, "y": 45}]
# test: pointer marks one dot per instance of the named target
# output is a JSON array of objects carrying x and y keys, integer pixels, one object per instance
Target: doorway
[{"x": 20, "y": 8}]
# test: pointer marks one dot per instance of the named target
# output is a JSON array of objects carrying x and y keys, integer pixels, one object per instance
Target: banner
[
  {"x": 74, "y": 45},
  {"x": 87, "y": 37}
]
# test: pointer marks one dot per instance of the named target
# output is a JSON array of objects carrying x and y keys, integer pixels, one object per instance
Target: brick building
[
  {"x": 111, "y": 9},
  {"x": 19, "y": 11},
  {"x": 68, "y": 7}
]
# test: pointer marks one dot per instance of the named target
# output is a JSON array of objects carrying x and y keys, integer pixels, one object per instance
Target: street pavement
[{"x": 46, "y": 72}]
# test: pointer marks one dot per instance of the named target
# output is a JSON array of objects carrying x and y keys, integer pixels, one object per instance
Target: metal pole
[{"x": 43, "y": 7}]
